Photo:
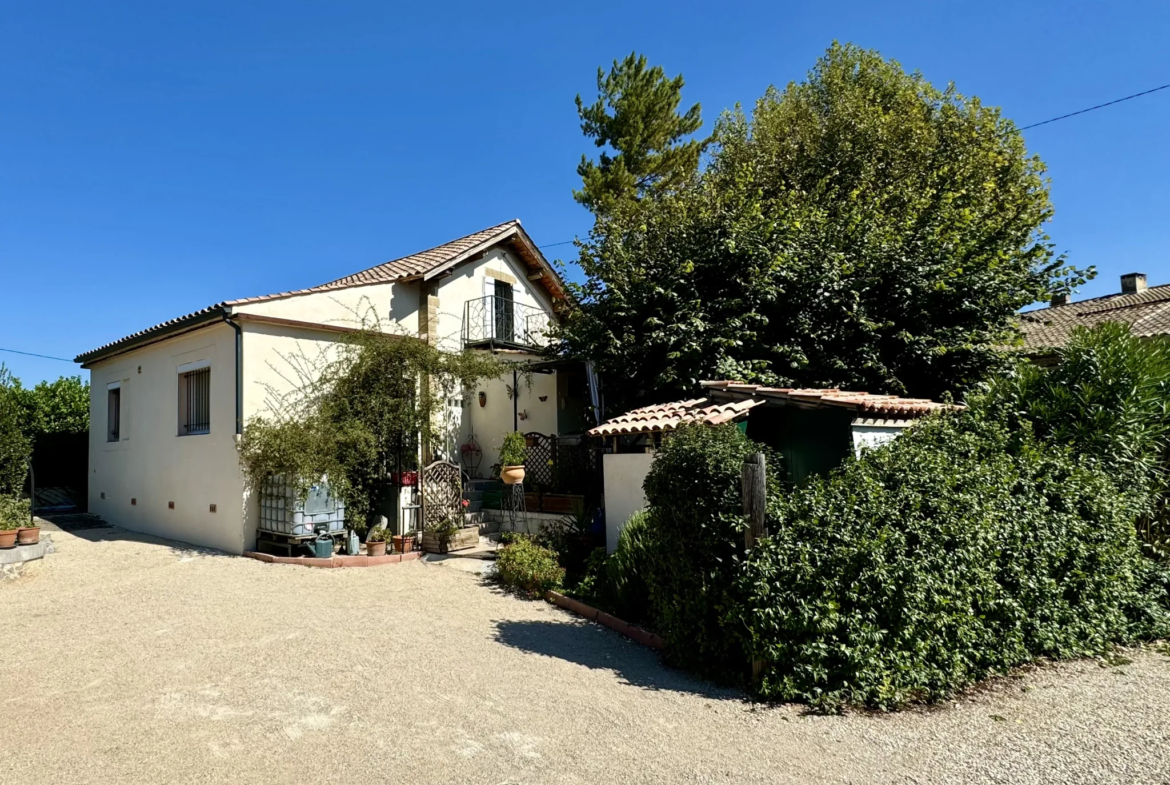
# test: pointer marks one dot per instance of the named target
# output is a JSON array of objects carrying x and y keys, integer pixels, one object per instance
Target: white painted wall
[
  {"x": 151, "y": 463},
  {"x": 394, "y": 304},
  {"x": 154, "y": 466},
  {"x": 623, "y": 474},
  {"x": 868, "y": 437}
]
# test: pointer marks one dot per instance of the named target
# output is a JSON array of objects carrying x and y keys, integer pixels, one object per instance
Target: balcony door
[{"x": 504, "y": 314}]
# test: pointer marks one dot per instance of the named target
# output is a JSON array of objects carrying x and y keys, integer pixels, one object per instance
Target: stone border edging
[
  {"x": 636, "y": 634},
  {"x": 335, "y": 561}
]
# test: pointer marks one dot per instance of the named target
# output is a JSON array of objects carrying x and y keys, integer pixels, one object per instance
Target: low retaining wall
[
  {"x": 12, "y": 560},
  {"x": 601, "y": 617},
  {"x": 336, "y": 561}
]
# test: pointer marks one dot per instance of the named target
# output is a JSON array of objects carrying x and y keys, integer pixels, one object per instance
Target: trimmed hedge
[
  {"x": 692, "y": 545},
  {"x": 957, "y": 551}
]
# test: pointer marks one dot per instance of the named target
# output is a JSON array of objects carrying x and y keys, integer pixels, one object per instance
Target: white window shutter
[{"x": 489, "y": 306}]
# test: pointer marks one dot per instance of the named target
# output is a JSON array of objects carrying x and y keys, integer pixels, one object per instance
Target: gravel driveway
[{"x": 131, "y": 660}]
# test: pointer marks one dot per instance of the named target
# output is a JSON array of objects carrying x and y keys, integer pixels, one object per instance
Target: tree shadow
[{"x": 593, "y": 646}]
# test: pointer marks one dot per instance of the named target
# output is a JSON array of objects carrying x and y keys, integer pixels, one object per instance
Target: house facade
[{"x": 169, "y": 403}]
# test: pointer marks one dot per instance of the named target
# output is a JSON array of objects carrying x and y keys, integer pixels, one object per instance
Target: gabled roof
[
  {"x": 669, "y": 416},
  {"x": 867, "y": 404},
  {"x": 422, "y": 265},
  {"x": 1146, "y": 312}
]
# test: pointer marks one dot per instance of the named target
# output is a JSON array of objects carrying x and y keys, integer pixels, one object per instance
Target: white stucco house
[{"x": 168, "y": 403}]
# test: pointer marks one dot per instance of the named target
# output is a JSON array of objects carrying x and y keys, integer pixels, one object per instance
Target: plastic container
[{"x": 282, "y": 513}]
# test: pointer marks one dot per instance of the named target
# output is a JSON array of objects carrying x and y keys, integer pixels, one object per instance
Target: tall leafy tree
[
  {"x": 636, "y": 116},
  {"x": 861, "y": 228}
]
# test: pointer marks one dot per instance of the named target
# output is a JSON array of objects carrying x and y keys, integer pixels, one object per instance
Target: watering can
[{"x": 322, "y": 546}]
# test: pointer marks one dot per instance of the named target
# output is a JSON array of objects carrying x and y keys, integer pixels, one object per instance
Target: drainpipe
[
  {"x": 239, "y": 373},
  {"x": 515, "y": 401}
]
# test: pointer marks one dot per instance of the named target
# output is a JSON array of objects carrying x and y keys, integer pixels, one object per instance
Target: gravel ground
[{"x": 131, "y": 660}]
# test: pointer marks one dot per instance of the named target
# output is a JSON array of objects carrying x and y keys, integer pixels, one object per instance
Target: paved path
[{"x": 129, "y": 660}]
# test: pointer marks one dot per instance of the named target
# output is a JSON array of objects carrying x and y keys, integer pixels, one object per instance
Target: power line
[
  {"x": 550, "y": 245},
  {"x": 1094, "y": 108},
  {"x": 33, "y": 354}
]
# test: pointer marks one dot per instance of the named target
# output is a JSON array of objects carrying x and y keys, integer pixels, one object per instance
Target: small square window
[
  {"x": 113, "y": 414},
  {"x": 195, "y": 402}
]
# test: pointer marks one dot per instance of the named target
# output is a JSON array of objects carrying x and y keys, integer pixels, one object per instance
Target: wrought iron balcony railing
[{"x": 500, "y": 321}]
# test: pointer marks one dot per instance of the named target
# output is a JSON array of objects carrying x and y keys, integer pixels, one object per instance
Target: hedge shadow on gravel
[{"x": 600, "y": 649}]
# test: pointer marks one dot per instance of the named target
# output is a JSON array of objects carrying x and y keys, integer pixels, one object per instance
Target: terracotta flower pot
[
  {"x": 403, "y": 543},
  {"x": 29, "y": 535},
  {"x": 512, "y": 475},
  {"x": 7, "y": 538},
  {"x": 376, "y": 548}
]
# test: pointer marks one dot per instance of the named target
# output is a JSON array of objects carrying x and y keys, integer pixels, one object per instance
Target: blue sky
[{"x": 159, "y": 157}]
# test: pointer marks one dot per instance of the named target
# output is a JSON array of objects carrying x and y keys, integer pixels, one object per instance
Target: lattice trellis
[
  {"x": 538, "y": 466},
  {"x": 441, "y": 485}
]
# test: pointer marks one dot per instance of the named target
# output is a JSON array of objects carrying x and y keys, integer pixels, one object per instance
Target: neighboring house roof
[
  {"x": 669, "y": 416},
  {"x": 729, "y": 401},
  {"x": 1146, "y": 312},
  {"x": 423, "y": 265}
]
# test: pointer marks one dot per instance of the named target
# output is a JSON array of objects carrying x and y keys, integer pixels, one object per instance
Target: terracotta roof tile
[
  {"x": 669, "y": 416},
  {"x": 861, "y": 402},
  {"x": 406, "y": 267},
  {"x": 1146, "y": 312}
]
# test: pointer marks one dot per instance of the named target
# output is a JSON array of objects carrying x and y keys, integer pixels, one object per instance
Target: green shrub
[
  {"x": 528, "y": 568},
  {"x": 625, "y": 591},
  {"x": 694, "y": 541},
  {"x": 957, "y": 551},
  {"x": 1108, "y": 398},
  {"x": 14, "y": 512}
]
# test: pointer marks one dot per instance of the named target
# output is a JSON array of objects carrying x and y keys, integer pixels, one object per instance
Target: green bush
[
  {"x": 625, "y": 590},
  {"x": 693, "y": 543},
  {"x": 1107, "y": 398},
  {"x": 528, "y": 568},
  {"x": 14, "y": 512},
  {"x": 960, "y": 550}
]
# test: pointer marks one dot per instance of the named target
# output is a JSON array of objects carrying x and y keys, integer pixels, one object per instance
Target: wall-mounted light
[
  {"x": 543, "y": 398},
  {"x": 482, "y": 398}
]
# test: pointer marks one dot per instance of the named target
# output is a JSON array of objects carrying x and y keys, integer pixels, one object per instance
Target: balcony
[{"x": 500, "y": 322}]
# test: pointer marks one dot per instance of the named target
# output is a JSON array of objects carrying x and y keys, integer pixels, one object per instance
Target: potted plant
[
  {"x": 14, "y": 513},
  {"x": 376, "y": 542},
  {"x": 513, "y": 452},
  {"x": 403, "y": 543}
]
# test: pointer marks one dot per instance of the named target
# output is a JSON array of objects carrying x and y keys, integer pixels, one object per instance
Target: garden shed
[{"x": 814, "y": 430}]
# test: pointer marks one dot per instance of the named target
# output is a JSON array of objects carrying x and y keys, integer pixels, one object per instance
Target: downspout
[
  {"x": 515, "y": 400},
  {"x": 239, "y": 373}
]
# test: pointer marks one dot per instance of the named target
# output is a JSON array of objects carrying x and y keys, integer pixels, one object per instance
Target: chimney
[
  {"x": 1132, "y": 283},
  {"x": 1059, "y": 299}
]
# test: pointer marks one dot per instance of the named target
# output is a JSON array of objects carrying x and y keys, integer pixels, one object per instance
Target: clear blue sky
[{"x": 159, "y": 157}]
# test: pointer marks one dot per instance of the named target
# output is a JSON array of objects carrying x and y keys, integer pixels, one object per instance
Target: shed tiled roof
[
  {"x": 406, "y": 268},
  {"x": 1146, "y": 312},
  {"x": 668, "y": 416},
  {"x": 889, "y": 406}
]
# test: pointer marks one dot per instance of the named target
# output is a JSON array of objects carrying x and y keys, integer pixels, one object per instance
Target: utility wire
[
  {"x": 33, "y": 354},
  {"x": 1094, "y": 108}
]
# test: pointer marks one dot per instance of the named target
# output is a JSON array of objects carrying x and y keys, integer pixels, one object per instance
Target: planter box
[{"x": 467, "y": 537}]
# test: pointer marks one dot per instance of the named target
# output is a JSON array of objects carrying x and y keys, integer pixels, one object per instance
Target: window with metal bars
[
  {"x": 114, "y": 414},
  {"x": 195, "y": 402}
]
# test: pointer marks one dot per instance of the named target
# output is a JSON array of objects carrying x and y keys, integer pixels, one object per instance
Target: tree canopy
[
  {"x": 861, "y": 228},
  {"x": 636, "y": 116}
]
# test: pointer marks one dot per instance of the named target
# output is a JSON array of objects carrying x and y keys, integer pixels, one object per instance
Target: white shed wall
[{"x": 623, "y": 474}]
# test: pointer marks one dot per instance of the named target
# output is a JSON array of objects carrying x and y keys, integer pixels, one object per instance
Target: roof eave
[{"x": 181, "y": 325}]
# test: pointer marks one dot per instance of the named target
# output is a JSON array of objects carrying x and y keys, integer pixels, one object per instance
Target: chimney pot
[
  {"x": 1059, "y": 299},
  {"x": 1132, "y": 283}
]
